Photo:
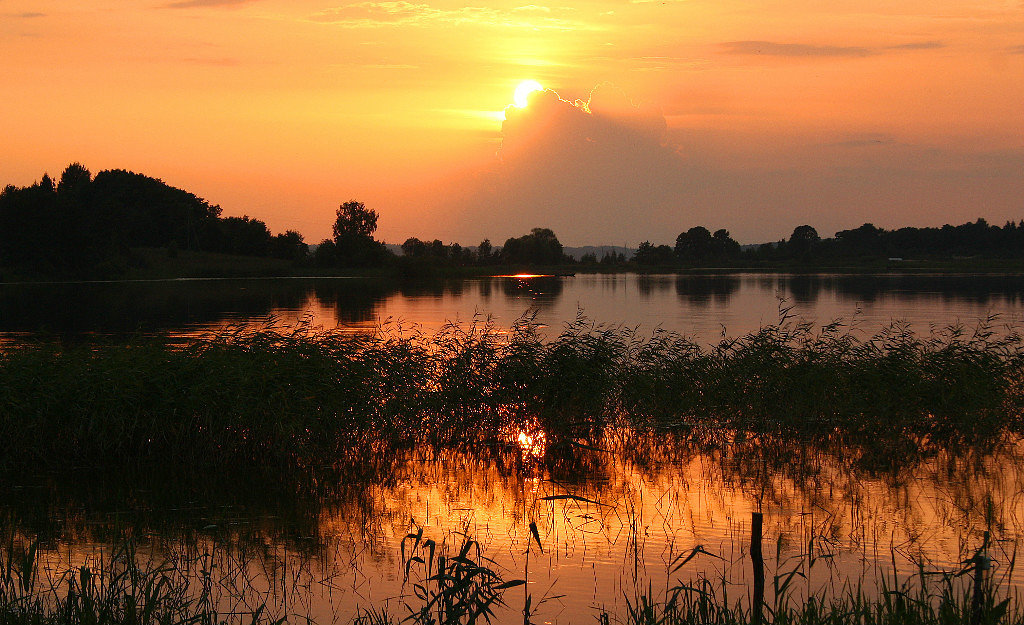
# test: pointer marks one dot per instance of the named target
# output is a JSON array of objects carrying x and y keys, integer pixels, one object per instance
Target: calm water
[
  {"x": 862, "y": 519},
  {"x": 704, "y": 307},
  {"x": 635, "y": 506}
]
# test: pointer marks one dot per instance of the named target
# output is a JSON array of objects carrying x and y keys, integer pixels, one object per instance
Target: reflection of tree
[
  {"x": 805, "y": 288},
  {"x": 699, "y": 290},
  {"x": 648, "y": 285},
  {"x": 979, "y": 289},
  {"x": 75, "y": 309},
  {"x": 354, "y": 301}
]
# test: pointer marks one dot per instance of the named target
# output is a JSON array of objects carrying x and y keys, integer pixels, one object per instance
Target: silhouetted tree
[
  {"x": 649, "y": 255},
  {"x": 353, "y": 230},
  {"x": 150, "y": 213},
  {"x": 289, "y": 246},
  {"x": 863, "y": 240},
  {"x": 694, "y": 245},
  {"x": 326, "y": 254},
  {"x": 803, "y": 241},
  {"x": 484, "y": 252},
  {"x": 246, "y": 236},
  {"x": 540, "y": 247},
  {"x": 723, "y": 247}
]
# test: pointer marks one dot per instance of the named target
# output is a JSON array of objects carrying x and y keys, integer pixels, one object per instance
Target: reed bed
[{"x": 268, "y": 400}]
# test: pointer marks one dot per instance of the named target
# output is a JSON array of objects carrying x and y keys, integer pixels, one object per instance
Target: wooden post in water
[
  {"x": 981, "y": 564},
  {"x": 757, "y": 560}
]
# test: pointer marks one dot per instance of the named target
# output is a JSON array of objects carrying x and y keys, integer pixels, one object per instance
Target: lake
[
  {"x": 701, "y": 306},
  {"x": 612, "y": 521}
]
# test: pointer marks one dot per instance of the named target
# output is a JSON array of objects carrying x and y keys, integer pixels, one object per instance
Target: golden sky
[{"x": 752, "y": 116}]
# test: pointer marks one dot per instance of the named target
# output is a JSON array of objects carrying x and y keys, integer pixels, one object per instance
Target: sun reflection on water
[{"x": 533, "y": 443}]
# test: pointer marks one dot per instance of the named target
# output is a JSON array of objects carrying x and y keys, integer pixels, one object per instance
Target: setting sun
[{"x": 523, "y": 91}]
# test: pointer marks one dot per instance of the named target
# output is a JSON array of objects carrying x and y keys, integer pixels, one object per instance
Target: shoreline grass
[
  {"x": 456, "y": 583},
  {"x": 266, "y": 400}
]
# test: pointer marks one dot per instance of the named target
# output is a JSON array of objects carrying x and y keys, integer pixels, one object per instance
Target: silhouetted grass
[
  {"x": 456, "y": 584},
  {"x": 123, "y": 589},
  {"x": 264, "y": 400}
]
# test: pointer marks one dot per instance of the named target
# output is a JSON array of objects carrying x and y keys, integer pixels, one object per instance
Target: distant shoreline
[{"x": 156, "y": 265}]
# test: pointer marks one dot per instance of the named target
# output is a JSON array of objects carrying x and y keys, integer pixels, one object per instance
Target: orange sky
[{"x": 755, "y": 117}]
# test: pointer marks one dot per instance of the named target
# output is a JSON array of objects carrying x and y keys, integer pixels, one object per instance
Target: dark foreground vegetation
[
  {"x": 457, "y": 585},
  {"x": 264, "y": 401},
  {"x": 120, "y": 223},
  {"x": 293, "y": 410}
]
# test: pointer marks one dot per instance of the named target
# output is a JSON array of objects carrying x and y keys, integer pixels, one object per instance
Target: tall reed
[{"x": 264, "y": 400}]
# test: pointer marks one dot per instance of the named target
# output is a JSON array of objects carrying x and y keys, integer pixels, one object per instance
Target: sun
[{"x": 523, "y": 91}]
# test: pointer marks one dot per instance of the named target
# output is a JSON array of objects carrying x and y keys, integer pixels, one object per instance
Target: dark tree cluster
[
  {"x": 353, "y": 244},
  {"x": 540, "y": 247},
  {"x": 698, "y": 247},
  {"x": 437, "y": 252},
  {"x": 869, "y": 243},
  {"x": 695, "y": 247},
  {"x": 84, "y": 225}
]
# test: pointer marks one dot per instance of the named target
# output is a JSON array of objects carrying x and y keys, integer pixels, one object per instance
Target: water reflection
[
  {"x": 610, "y": 516},
  {"x": 537, "y": 291},
  {"x": 702, "y": 290},
  {"x": 697, "y": 305}
]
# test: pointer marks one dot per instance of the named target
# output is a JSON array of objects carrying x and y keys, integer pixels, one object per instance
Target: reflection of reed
[{"x": 323, "y": 446}]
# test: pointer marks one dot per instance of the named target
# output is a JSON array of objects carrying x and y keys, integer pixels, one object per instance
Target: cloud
[
  {"x": 402, "y": 13},
  {"x": 601, "y": 170},
  {"x": 861, "y": 140},
  {"x": 920, "y": 45},
  {"x": 28, "y": 15},
  {"x": 1017, "y": 50},
  {"x": 189, "y": 4},
  {"x": 797, "y": 50},
  {"x": 577, "y": 166},
  {"x": 771, "y": 48}
]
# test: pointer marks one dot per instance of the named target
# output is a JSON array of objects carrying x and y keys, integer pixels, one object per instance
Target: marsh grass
[
  {"x": 276, "y": 402},
  {"x": 452, "y": 581},
  {"x": 123, "y": 588},
  {"x": 927, "y": 598}
]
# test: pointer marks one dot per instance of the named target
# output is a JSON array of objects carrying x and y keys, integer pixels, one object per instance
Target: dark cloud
[
  {"x": 772, "y": 48},
  {"x": 920, "y": 45},
  {"x": 188, "y": 4},
  {"x": 865, "y": 140},
  {"x": 1017, "y": 50},
  {"x": 29, "y": 15}
]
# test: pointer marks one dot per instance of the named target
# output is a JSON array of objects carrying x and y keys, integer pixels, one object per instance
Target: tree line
[
  {"x": 85, "y": 225},
  {"x": 866, "y": 244}
]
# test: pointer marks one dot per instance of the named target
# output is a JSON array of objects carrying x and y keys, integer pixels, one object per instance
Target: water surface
[
  {"x": 611, "y": 522},
  {"x": 702, "y": 306}
]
